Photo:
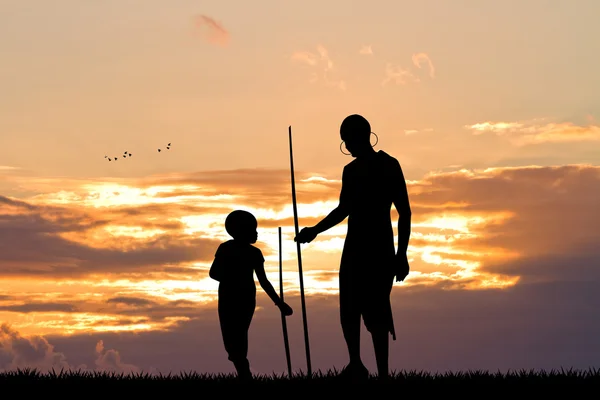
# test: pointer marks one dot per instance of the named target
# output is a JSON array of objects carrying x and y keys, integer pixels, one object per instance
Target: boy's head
[{"x": 241, "y": 225}]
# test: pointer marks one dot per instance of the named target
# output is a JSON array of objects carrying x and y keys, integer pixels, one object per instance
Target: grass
[{"x": 515, "y": 381}]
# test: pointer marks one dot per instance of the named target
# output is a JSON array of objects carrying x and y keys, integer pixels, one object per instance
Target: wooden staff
[
  {"x": 306, "y": 343},
  {"x": 283, "y": 321}
]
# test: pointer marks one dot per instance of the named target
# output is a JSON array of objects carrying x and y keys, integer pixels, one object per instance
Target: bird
[
  {"x": 129, "y": 154},
  {"x": 159, "y": 150}
]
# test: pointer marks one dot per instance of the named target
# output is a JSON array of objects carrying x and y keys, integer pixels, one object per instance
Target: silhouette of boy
[
  {"x": 371, "y": 183},
  {"x": 235, "y": 263}
]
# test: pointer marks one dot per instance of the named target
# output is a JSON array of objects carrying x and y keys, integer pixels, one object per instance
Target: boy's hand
[
  {"x": 401, "y": 268},
  {"x": 285, "y": 309}
]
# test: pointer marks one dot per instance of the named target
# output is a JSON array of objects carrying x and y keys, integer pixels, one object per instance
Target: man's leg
[
  {"x": 379, "y": 322},
  {"x": 381, "y": 345},
  {"x": 350, "y": 316},
  {"x": 350, "y": 320}
]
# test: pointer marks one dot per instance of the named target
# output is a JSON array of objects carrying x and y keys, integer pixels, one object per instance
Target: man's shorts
[{"x": 369, "y": 296}]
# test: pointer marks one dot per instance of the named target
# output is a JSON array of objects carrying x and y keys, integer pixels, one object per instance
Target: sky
[{"x": 491, "y": 108}]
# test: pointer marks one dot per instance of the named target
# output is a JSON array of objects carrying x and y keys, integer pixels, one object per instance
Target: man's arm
[
  {"x": 402, "y": 205},
  {"x": 338, "y": 214}
]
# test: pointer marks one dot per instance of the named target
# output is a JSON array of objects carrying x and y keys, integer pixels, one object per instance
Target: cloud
[
  {"x": 401, "y": 76},
  {"x": 509, "y": 252},
  {"x": 74, "y": 266},
  {"x": 17, "y": 351},
  {"x": 546, "y": 325},
  {"x": 523, "y": 133},
  {"x": 422, "y": 58},
  {"x": 212, "y": 30},
  {"x": 415, "y": 131},
  {"x": 398, "y": 75},
  {"x": 320, "y": 61},
  {"x": 366, "y": 50},
  {"x": 35, "y": 352},
  {"x": 110, "y": 361}
]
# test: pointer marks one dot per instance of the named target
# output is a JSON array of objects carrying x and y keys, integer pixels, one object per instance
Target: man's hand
[
  {"x": 306, "y": 235},
  {"x": 285, "y": 309},
  {"x": 401, "y": 268}
]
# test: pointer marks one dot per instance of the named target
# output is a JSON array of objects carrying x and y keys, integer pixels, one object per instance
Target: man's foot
[{"x": 355, "y": 371}]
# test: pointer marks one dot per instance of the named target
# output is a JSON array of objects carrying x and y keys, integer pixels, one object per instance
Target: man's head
[
  {"x": 241, "y": 225},
  {"x": 355, "y": 131}
]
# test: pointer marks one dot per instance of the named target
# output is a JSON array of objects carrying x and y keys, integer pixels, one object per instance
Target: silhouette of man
[
  {"x": 234, "y": 266},
  {"x": 371, "y": 183}
]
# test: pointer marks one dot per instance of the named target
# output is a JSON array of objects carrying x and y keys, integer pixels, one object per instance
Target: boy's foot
[
  {"x": 243, "y": 370},
  {"x": 355, "y": 372}
]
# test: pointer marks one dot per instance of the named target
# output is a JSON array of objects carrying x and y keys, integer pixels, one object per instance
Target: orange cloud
[
  {"x": 134, "y": 254},
  {"x": 366, "y": 50},
  {"x": 398, "y": 75},
  {"x": 212, "y": 30},
  {"x": 323, "y": 62},
  {"x": 402, "y": 76},
  {"x": 422, "y": 58},
  {"x": 532, "y": 132}
]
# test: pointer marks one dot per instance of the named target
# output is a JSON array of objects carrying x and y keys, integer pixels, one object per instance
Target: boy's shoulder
[
  {"x": 232, "y": 246},
  {"x": 225, "y": 247},
  {"x": 256, "y": 251}
]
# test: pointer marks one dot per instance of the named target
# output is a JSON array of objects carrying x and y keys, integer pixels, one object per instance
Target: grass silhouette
[{"x": 403, "y": 381}]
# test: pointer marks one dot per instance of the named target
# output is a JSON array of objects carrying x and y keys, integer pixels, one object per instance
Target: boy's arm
[
  {"x": 265, "y": 284},
  {"x": 217, "y": 268}
]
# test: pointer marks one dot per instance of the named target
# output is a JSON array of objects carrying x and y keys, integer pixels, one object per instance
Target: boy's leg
[
  {"x": 233, "y": 339},
  {"x": 241, "y": 363}
]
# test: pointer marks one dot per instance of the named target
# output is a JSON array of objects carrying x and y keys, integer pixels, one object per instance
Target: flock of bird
[{"x": 128, "y": 154}]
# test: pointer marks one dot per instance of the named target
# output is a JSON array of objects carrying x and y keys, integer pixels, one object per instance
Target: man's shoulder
[
  {"x": 387, "y": 156},
  {"x": 350, "y": 166}
]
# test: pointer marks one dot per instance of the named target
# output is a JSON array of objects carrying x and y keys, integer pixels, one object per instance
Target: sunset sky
[{"x": 491, "y": 107}]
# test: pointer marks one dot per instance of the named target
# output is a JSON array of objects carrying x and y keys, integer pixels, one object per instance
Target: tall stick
[
  {"x": 283, "y": 321},
  {"x": 306, "y": 343}
]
